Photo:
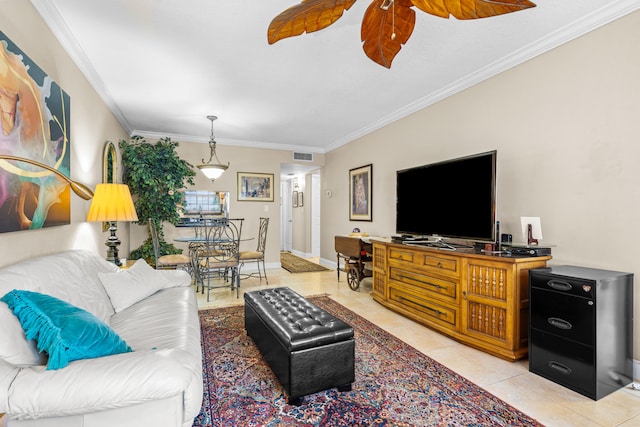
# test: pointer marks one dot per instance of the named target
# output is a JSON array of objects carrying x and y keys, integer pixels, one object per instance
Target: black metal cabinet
[{"x": 581, "y": 328}]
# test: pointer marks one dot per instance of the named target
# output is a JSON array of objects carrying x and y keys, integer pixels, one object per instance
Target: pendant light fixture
[{"x": 213, "y": 170}]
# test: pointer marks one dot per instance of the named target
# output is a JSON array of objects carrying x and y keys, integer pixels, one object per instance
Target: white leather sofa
[{"x": 159, "y": 383}]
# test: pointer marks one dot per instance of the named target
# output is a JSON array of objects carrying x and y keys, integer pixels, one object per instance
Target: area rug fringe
[{"x": 395, "y": 385}]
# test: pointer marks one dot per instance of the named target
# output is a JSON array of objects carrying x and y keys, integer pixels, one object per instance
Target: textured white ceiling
[{"x": 164, "y": 65}]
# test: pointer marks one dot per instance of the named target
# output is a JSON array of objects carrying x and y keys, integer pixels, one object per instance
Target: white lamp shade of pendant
[{"x": 212, "y": 171}]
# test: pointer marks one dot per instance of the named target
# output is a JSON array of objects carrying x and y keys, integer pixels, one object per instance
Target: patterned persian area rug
[{"x": 395, "y": 384}]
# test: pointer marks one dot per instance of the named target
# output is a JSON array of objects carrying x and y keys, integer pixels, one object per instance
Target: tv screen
[{"x": 454, "y": 198}]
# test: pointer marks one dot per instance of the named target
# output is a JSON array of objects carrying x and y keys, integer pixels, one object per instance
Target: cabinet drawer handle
[
  {"x": 559, "y": 323},
  {"x": 437, "y": 312},
  {"x": 560, "y": 367},
  {"x": 559, "y": 285},
  {"x": 433, "y": 285}
]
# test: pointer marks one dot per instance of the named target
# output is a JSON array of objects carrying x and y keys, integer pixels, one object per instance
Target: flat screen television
[{"x": 450, "y": 199}]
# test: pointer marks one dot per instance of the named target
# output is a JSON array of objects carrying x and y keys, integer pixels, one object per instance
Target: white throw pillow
[
  {"x": 127, "y": 287},
  {"x": 14, "y": 346}
]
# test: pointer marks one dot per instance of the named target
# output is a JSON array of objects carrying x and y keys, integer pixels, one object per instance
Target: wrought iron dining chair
[
  {"x": 257, "y": 256},
  {"x": 169, "y": 261},
  {"x": 216, "y": 260}
]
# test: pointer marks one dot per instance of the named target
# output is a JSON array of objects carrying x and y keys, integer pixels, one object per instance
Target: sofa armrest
[
  {"x": 177, "y": 278},
  {"x": 8, "y": 373},
  {"x": 92, "y": 385}
]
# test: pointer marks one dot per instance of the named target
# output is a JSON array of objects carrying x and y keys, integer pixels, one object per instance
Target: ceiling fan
[{"x": 387, "y": 24}]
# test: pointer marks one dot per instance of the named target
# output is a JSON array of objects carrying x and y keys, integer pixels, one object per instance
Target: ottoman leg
[
  {"x": 344, "y": 387},
  {"x": 296, "y": 401}
]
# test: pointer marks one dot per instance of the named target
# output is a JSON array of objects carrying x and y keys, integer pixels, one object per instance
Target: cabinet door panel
[
  {"x": 379, "y": 263},
  {"x": 488, "y": 298},
  {"x": 486, "y": 321}
]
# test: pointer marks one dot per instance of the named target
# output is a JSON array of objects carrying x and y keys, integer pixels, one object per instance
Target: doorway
[
  {"x": 289, "y": 173},
  {"x": 286, "y": 225}
]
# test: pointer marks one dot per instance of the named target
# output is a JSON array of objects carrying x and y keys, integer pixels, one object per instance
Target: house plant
[{"x": 155, "y": 175}]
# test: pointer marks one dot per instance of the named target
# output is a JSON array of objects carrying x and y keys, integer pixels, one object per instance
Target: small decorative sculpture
[{"x": 530, "y": 239}]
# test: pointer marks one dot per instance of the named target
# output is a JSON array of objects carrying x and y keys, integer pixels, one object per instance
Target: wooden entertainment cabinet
[{"x": 478, "y": 299}]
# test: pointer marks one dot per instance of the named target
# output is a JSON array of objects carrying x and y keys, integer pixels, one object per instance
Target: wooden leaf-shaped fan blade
[
  {"x": 309, "y": 16},
  {"x": 471, "y": 9},
  {"x": 382, "y": 33}
]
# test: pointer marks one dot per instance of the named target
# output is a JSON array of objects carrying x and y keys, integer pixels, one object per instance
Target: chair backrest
[
  {"x": 198, "y": 228},
  {"x": 262, "y": 234},
  {"x": 222, "y": 244}
]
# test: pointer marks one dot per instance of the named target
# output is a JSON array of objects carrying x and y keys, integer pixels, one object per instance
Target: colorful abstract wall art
[{"x": 35, "y": 125}]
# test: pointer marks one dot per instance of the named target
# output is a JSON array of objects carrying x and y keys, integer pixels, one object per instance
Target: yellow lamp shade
[{"x": 112, "y": 202}]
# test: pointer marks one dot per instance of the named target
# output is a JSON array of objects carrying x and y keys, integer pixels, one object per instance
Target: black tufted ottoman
[{"x": 308, "y": 349}]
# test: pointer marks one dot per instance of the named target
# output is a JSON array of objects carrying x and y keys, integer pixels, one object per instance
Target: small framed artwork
[
  {"x": 255, "y": 187},
  {"x": 360, "y": 203},
  {"x": 300, "y": 199},
  {"x": 294, "y": 199}
]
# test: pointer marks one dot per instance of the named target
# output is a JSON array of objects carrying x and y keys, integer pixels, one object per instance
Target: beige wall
[
  {"x": 91, "y": 125},
  {"x": 567, "y": 129}
]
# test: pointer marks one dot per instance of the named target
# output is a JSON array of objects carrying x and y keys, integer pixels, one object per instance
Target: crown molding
[{"x": 231, "y": 142}]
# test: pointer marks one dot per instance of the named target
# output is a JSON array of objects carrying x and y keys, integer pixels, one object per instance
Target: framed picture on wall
[
  {"x": 294, "y": 199},
  {"x": 300, "y": 199},
  {"x": 360, "y": 190},
  {"x": 255, "y": 187}
]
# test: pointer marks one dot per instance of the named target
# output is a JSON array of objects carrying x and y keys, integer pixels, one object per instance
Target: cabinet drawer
[
  {"x": 441, "y": 288},
  {"x": 401, "y": 255},
  {"x": 429, "y": 310},
  {"x": 566, "y": 285},
  {"x": 564, "y": 315},
  {"x": 443, "y": 265},
  {"x": 562, "y": 361}
]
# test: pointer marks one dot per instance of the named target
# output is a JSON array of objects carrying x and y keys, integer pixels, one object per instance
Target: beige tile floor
[{"x": 549, "y": 403}]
